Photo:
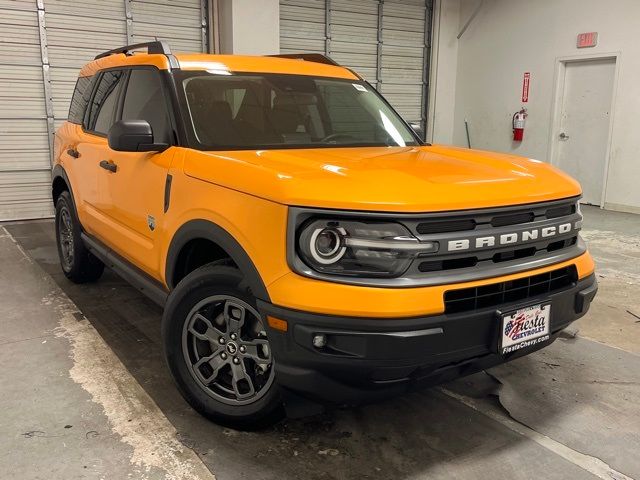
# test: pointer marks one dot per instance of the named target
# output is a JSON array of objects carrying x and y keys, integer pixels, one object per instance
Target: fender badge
[{"x": 151, "y": 221}]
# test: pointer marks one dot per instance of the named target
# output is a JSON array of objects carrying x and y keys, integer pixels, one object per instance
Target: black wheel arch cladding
[
  {"x": 58, "y": 175},
  {"x": 206, "y": 230}
]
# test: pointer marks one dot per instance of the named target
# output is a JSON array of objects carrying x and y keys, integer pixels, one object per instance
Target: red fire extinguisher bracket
[{"x": 517, "y": 124}]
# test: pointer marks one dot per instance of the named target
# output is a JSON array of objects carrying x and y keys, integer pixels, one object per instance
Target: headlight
[{"x": 357, "y": 248}]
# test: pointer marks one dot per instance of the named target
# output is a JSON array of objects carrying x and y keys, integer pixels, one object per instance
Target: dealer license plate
[{"x": 525, "y": 327}]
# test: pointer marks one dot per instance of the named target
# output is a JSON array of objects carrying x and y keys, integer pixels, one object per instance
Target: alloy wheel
[
  {"x": 65, "y": 234},
  {"x": 226, "y": 350}
]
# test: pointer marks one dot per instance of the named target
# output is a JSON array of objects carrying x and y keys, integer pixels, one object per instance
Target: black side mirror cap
[
  {"x": 152, "y": 147},
  {"x": 133, "y": 136}
]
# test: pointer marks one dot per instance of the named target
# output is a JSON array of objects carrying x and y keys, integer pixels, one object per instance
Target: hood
[{"x": 393, "y": 179}]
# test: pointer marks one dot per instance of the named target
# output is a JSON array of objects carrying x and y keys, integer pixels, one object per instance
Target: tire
[
  {"x": 212, "y": 302},
  {"x": 78, "y": 264}
]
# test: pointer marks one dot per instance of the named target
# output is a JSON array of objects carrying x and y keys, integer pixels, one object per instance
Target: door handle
[
  {"x": 563, "y": 136},
  {"x": 72, "y": 152},
  {"x": 109, "y": 165}
]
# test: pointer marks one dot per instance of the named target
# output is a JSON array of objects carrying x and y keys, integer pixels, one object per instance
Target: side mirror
[
  {"x": 417, "y": 128},
  {"x": 133, "y": 136}
]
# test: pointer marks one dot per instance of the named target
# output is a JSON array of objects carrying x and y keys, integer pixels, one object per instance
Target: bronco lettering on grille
[{"x": 510, "y": 238}]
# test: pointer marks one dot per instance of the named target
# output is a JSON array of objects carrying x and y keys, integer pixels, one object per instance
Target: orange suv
[{"x": 306, "y": 244}]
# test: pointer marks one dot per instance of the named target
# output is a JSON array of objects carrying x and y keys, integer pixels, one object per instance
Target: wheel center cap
[{"x": 232, "y": 348}]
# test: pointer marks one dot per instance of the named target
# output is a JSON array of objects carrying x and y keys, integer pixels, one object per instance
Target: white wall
[
  {"x": 249, "y": 27},
  {"x": 510, "y": 37},
  {"x": 444, "y": 65}
]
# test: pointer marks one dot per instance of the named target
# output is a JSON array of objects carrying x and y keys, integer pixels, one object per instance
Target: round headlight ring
[{"x": 326, "y": 244}]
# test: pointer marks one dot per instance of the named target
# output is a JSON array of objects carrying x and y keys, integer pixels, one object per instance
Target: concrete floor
[{"x": 89, "y": 357}]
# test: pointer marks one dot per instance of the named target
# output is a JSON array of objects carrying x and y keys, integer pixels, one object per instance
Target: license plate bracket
[{"x": 524, "y": 327}]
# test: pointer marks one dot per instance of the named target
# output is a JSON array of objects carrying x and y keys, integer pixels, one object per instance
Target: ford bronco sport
[{"x": 303, "y": 240}]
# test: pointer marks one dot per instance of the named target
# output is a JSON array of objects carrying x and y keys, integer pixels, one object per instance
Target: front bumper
[{"x": 367, "y": 359}]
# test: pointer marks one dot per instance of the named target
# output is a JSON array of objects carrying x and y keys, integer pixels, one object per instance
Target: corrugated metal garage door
[
  {"x": 43, "y": 44},
  {"x": 24, "y": 150},
  {"x": 385, "y": 41},
  {"x": 183, "y": 23},
  {"x": 302, "y": 26},
  {"x": 76, "y": 32},
  {"x": 405, "y": 43}
]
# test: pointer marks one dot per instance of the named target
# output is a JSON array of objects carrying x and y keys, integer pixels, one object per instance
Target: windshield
[{"x": 258, "y": 111}]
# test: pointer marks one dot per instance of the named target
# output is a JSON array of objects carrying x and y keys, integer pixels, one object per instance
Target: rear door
[
  {"x": 88, "y": 178},
  {"x": 133, "y": 201}
]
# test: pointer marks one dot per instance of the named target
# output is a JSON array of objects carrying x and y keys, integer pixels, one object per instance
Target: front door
[
  {"x": 134, "y": 198},
  {"x": 585, "y": 117}
]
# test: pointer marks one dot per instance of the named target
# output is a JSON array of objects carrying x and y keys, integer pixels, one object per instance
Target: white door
[{"x": 585, "y": 115}]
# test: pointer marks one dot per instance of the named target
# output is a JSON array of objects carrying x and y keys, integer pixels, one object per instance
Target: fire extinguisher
[{"x": 518, "y": 124}]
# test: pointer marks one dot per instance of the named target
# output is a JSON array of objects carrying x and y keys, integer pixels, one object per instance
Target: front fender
[{"x": 204, "y": 229}]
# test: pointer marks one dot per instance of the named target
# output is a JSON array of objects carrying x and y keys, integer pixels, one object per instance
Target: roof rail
[
  {"x": 152, "y": 47},
  {"x": 309, "y": 57}
]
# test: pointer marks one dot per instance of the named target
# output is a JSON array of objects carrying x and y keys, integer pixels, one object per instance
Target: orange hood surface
[{"x": 391, "y": 179}]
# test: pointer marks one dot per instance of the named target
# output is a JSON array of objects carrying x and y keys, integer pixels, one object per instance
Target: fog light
[{"x": 320, "y": 340}]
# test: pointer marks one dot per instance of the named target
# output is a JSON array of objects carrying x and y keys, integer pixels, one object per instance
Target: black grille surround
[
  {"x": 489, "y": 261},
  {"x": 475, "y": 261},
  {"x": 495, "y": 294}
]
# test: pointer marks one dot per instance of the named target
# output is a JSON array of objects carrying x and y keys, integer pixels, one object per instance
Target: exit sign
[{"x": 586, "y": 40}]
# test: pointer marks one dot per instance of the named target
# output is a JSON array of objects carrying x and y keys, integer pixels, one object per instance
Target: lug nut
[
  {"x": 223, "y": 356},
  {"x": 221, "y": 340},
  {"x": 236, "y": 360},
  {"x": 243, "y": 349},
  {"x": 233, "y": 336}
]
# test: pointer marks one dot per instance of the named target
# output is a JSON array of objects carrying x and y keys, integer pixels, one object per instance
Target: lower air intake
[{"x": 495, "y": 294}]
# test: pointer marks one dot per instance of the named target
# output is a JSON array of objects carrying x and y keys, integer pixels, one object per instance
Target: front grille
[
  {"x": 444, "y": 226},
  {"x": 471, "y": 243},
  {"x": 488, "y": 258},
  {"x": 496, "y": 218},
  {"x": 495, "y": 294},
  {"x": 561, "y": 211},
  {"x": 515, "y": 219},
  {"x": 466, "y": 245}
]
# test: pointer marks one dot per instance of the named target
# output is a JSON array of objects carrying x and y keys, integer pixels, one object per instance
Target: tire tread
[
  {"x": 220, "y": 276},
  {"x": 86, "y": 266}
]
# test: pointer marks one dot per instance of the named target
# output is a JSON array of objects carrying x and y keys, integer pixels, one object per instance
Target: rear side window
[
  {"x": 103, "y": 106},
  {"x": 144, "y": 100},
  {"x": 80, "y": 99}
]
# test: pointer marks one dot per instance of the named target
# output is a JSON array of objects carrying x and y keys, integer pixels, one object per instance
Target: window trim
[
  {"x": 93, "y": 94},
  {"x": 92, "y": 91},
  {"x": 167, "y": 92},
  {"x": 88, "y": 89}
]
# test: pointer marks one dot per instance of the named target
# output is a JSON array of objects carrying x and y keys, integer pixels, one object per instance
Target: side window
[
  {"x": 80, "y": 99},
  {"x": 103, "y": 106},
  {"x": 144, "y": 100}
]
